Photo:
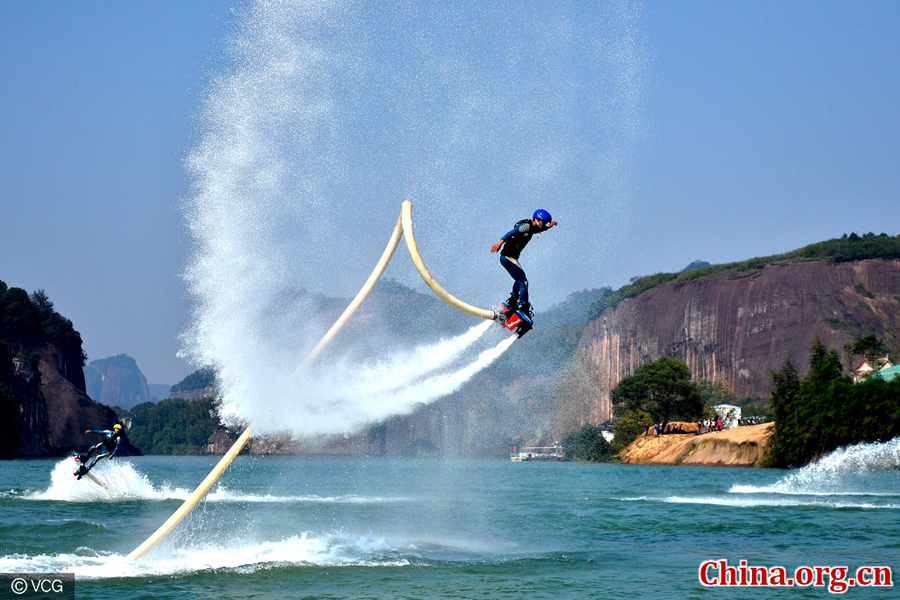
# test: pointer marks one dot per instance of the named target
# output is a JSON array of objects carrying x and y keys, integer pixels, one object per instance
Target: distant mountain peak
[{"x": 116, "y": 381}]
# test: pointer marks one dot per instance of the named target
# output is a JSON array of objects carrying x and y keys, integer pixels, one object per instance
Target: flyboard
[
  {"x": 516, "y": 320},
  {"x": 84, "y": 470},
  {"x": 95, "y": 480},
  {"x": 403, "y": 228}
]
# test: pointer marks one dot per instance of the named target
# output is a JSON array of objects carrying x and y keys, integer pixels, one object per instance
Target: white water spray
[
  {"x": 865, "y": 456},
  {"x": 121, "y": 481},
  {"x": 327, "y": 115},
  {"x": 843, "y": 472},
  {"x": 333, "y": 549},
  {"x": 350, "y": 395}
]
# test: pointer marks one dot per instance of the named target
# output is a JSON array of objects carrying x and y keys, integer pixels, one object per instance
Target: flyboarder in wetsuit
[
  {"x": 513, "y": 243},
  {"x": 110, "y": 444}
]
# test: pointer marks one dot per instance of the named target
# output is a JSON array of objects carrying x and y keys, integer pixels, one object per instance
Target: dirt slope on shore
[{"x": 738, "y": 447}]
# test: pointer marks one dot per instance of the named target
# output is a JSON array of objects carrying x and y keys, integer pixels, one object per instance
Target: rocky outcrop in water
[
  {"x": 738, "y": 327},
  {"x": 219, "y": 443}
]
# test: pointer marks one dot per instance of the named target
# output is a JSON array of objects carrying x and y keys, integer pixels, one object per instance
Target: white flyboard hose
[
  {"x": 363, "y": 292},
  {"x": 194, "y": 498},
  {"x": 406, "y": 217},
  {"x": 403, "y": 227}
]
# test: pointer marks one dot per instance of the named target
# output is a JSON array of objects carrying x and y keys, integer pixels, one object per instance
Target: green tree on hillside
[
  {"x": 20, "y": 317},
  {"x": 716, "y": 393},
  {"x": 173, "y": 426},
  {"x": 27, "y": 322},
  {"x": 199, "y": 379},
  {"x": 824, "y": 367},
  {"x": 788, "y": 417},
  {"x": 42, "y": 302},
  {"x": 868, "y": 346},
  {"x": 662, "y": 390},
  {"x": 825, "y": 410},
  {"x": 629, "y": 425},
  {"x": 586, "y": 443}
]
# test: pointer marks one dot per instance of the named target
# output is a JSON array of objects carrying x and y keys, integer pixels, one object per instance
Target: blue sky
[{"x": 752, "y": 128}]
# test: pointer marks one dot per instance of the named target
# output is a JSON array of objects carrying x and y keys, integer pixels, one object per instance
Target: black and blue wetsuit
[
  {"x": 514, "y": 242},
  {"x": 110, "y": 446}
]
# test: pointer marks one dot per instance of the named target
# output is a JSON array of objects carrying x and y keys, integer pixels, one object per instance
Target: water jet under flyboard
[{"x": 517, "y": 323}]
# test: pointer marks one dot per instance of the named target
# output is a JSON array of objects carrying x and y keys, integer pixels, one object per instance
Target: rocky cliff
[
  {"x": 24, "y": 420},
  {"x": 738, "y": 327},
  {"x": 44, "y": 412},
  {"x": 70, "y": 409},
  {"x": 44, "y": 409}
]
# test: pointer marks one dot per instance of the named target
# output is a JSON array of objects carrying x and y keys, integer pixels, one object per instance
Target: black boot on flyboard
[{"x": 517, "y": 319}]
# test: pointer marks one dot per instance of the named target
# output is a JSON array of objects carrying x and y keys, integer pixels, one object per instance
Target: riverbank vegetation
[
  {"x": 657, "y": 393},
  {"x": 824, "y": 410},
  {"x": 171, "y": 427},
  {"x": 587, "y": 443}
]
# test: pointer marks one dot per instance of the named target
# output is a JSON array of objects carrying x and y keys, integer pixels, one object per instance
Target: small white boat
[{"x": 538, "y": 453}]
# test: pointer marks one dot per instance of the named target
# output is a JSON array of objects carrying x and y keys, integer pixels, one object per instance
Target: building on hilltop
[
  {"x": 870, "y": 366},
  {"x": 887, "y": 373}
]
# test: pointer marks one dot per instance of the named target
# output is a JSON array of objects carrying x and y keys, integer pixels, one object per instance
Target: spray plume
[{"x": 325, "y": 115}]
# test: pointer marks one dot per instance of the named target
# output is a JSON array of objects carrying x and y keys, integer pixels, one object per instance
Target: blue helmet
[{"x": 542, "y": 215}]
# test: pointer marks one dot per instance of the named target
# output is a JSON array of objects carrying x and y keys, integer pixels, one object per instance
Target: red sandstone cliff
[
  {"x": 738, "y": 327},
  {"x": 70, "y": 409}
]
